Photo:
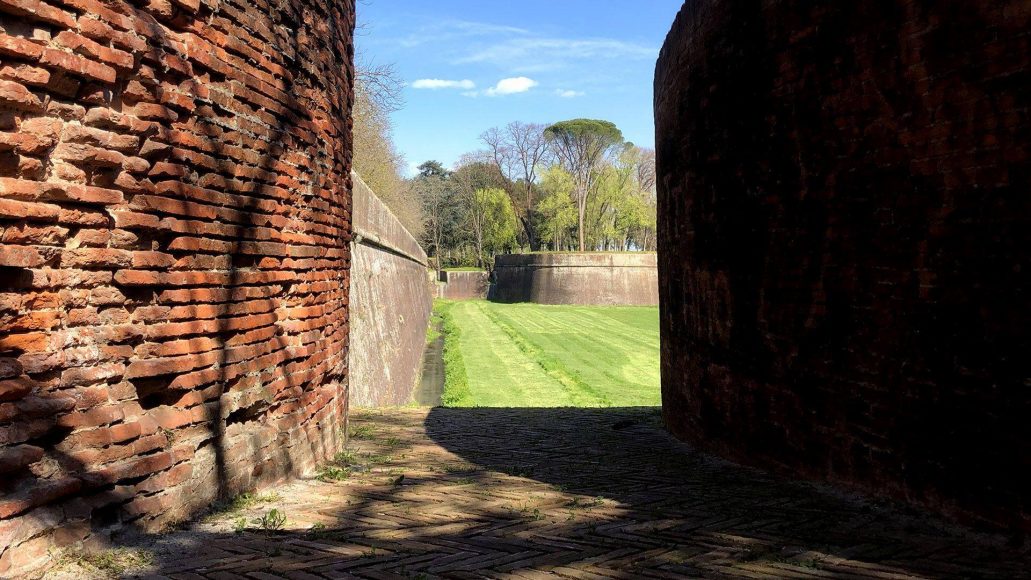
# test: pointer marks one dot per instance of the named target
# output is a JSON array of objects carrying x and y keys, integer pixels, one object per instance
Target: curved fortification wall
[
  {"x": 458, "y": 285},
  {"x": 174, "y": 227},
  {"x": 391, "y": 300},
  {"x": 589, "y": 279},
  {"x": 845, "y": 229}
]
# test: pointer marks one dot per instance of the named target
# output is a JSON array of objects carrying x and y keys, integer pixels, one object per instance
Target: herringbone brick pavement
[{"x": 565, "y": 493}]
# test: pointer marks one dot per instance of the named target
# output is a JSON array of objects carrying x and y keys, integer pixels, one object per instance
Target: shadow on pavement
[{"x": 578, "y": 493}]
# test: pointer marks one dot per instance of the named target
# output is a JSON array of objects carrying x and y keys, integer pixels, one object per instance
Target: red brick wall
[
  {"x": 845, "y": 218},
  {"x": 174, "y": 228}
]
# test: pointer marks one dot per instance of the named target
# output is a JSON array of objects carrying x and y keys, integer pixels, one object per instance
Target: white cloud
[
  {"x": 435, "y": 84},
  {"x": 457, "y": 29},
  {"x": 511, "y": 86},
  {"x": 556, "y": 52},
  {"x": 569, "y": 94}
]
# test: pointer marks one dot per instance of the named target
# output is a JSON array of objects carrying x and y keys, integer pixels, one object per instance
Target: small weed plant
[{"x": 272, "y": 521}]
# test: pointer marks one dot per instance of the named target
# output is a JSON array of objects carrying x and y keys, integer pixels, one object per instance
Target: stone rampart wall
[
  {"x": 391, "y": 300},
  {"x": 590, "y": 279}
]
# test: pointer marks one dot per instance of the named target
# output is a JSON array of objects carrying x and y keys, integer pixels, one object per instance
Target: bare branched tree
[
  {"x": 379, "y": 92},
  {"x": 381, "y": 84},
  {"x": 519, "y": 150},
  {"x": 646, "y": 169},
  {"x": 474, "y": 173},
  {"x": 438, "y": 207}
]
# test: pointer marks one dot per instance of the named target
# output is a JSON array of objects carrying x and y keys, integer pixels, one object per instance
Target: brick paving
[{"x": 571, "y": 493}]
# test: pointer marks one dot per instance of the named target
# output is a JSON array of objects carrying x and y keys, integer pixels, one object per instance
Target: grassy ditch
[{"x": 456, "y": 381}]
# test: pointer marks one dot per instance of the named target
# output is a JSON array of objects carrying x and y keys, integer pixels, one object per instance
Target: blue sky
[{"x": 474, "y": 64}]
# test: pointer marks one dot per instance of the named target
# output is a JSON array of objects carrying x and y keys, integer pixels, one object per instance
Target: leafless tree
[
  {"x": 518, "y": 150},
  {"x": 379, "y": 92},
  {"x": 381, "y": 83},
  {"x": 438, "y": 208},
  {"x": 476, "y": 172},
  {"x": 646, "y": 169}
]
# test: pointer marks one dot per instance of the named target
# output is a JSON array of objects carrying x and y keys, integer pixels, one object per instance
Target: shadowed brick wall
[
  {"x": 174, "y": 228},
  {"x": 845, "y": 224}
]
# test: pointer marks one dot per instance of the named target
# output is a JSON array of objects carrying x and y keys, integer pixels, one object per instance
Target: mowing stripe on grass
[
  {"x": 531, "y": 355},
  {"x": 499, "y": 374},
  {"x": 615, "y": 350},
  {"x": 580, "y": 393}
]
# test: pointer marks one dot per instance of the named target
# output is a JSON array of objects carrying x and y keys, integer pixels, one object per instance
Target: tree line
[{"x": 569, "y": 186}]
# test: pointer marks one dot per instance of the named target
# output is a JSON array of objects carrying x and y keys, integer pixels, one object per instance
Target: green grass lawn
[{"x": 530, "y": 355}]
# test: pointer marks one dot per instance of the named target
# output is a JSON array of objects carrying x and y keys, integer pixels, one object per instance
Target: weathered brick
[
  {"x": 16, "y": 388},
  {"x": 171, "y": 365},
  {"x": 81, "y": 44},
  {"x": 34, "y": 320},
  {"x": 41, "y": 494},
  {"x": 92, "y": 418},
  {"x": 15, "y": 95},
  {"x": 19, "y": 47},
  {"x": 88, "y": 155},
  {"x": 173, "y": 199},
  {"x": 92, "y": 27},
  {"x": 27, "y": 342},
  {"x": 30, "y": 234},
  {"x": 45, "y": 129},
  {"x": 20, "y": 257},
  {"x": 38, "y": 10},
  {"x": 89, "y": 258},
  {"x": 26, "y": 74},
  {"x": 91, "y": 375},
  {"x": 18, "y": 457},
  {"x": 77, "y": 65},
  {"x": 151, "y": 111},
  {"x": 100, "y": 138}
]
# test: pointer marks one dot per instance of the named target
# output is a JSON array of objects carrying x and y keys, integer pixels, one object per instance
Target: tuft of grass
[
  {"x": 519, "y": 470},
  {"x": 347, "y": 458},
  {"x": 348, "y": 461},
  {"x": 811, "y": 563},
  {"x": 333, "y": 473},
  {"x": 244, "y": 501},
  {"x": 365, "y": 432},
  {"x": 377, "y": 459},
  {"x": 581, "y": 504},
  {"x": 433, "y": 330},
  {"x": 456, "y": 381},
  {"x": 109, "y": 563}
]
